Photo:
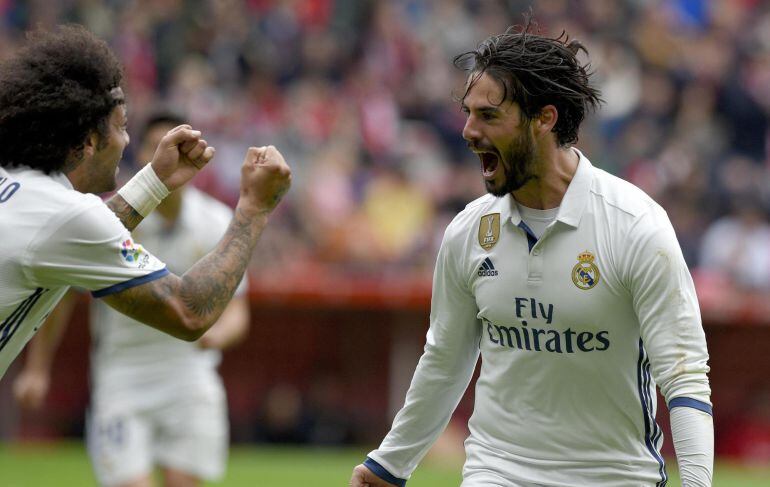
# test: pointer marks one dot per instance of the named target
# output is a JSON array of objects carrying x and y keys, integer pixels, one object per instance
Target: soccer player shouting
[
  {"x": 571, "y": 285},
  {"x": 63, "y": 131}
]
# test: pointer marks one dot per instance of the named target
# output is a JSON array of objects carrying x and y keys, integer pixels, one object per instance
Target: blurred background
[{"x": 358, "y": 95}]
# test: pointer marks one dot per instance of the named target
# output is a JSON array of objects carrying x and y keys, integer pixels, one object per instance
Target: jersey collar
[
  {"x": 572, "y": 204},
  {"x": 575, "y": 199},
  {"x": 59, "y": 177}
]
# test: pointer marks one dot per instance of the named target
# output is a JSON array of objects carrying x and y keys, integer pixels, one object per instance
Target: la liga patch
[{"x": 131, "y": 251}]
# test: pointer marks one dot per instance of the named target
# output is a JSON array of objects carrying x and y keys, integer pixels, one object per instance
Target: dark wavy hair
[
  {"x": 536, "y": 71},
  {"x": 54, "y": 92}
]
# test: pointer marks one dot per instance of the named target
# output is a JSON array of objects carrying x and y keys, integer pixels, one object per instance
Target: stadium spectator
[
  {"x": 737, "y": 246},
  {"x": 688, "y": 74}
]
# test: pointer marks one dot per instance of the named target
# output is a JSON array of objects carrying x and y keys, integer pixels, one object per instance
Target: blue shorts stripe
[{"x": 122, "y": 286}]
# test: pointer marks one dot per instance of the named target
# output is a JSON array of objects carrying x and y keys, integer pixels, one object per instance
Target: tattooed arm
[
  {"x": 125, "y": 213},
  {"x": 187, "y": 306},
  {"x": 180, "y": 154}
]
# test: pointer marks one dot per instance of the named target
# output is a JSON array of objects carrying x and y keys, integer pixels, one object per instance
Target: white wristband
[{"x": 144, "y": 191}]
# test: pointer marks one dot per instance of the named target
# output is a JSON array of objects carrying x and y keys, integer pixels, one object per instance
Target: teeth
[{"x": 489, "y": 161}]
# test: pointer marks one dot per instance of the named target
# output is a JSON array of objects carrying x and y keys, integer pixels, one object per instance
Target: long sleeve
[
  {"x": 693, "y": 434},
  {"x": 666, "y": 305},
  {"x": 672, "y": 334},
  {"x": 442, "y": 375}
]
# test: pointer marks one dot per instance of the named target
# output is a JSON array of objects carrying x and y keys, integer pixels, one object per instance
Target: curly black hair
[
  {"x": 536, "y": 71},
  {"x": 54, "y": 92}
]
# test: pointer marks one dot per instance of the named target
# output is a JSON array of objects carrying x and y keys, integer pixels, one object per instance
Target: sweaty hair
[
  {"x": 54, "y": 92},
  {"x": 535, "y": 71}
]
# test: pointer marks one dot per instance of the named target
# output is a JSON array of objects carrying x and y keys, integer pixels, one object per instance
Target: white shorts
[{"x": 186, "y": 435}]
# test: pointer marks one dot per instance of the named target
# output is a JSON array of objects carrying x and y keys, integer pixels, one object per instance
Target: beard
[{"x": 518, "y": 165}]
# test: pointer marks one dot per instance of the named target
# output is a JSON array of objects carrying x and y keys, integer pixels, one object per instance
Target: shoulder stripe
[{"x": 122, "y": 286}]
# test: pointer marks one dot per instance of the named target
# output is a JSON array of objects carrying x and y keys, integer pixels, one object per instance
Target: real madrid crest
[
  {"x": 489, "y": 230},
  {"x": 585, "y": 274}
]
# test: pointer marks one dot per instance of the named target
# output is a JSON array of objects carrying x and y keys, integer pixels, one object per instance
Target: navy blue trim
[
  {"x": 380, "y": 471},
  {"x": 13, "y": 321},
  {"x": 531, "y": 239},
  {"x": 122, "y": 286},
  {"x": 688, "y": 402},
  {"x": 652, "y": 432}
]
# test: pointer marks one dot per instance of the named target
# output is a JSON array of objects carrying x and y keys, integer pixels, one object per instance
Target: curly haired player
[{"x": 63, "y": 131}]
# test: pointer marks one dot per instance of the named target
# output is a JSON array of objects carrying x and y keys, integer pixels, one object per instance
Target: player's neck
[{"x": 557, "y": 168}]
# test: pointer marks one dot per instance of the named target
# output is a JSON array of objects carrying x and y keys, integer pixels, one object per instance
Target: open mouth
[{"x": 490, "y": 161}]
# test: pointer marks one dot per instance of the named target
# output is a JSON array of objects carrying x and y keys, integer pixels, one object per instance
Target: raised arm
[
  {"x": 231, "y": 328},
  {"x": 187, "y": 306},
  {"x": 181, "y": 153},
  {"x": 127, "y": 215}
]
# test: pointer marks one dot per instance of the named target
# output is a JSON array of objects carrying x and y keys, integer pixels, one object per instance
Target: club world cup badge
[
  {"x": 489, "y": 230},
  {"x": 585, "y": 274}
]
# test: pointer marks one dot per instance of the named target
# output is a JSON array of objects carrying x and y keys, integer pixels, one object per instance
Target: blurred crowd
[{"x": 360, "y": 96}]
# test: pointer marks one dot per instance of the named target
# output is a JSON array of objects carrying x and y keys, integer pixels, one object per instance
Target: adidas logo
[{"x": 487, "y": 268}]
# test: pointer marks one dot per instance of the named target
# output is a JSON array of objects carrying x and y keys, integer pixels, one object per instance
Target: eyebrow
[{"x": 484, "y": 109}]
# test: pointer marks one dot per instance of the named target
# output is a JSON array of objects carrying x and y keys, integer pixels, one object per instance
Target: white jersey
[
  {"x": 54, "y": 237},
  {"x": 575, "y": 329},
  {"x": 127, "y": 356}
]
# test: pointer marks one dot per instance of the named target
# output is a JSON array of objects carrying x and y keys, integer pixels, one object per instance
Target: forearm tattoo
[
  {"x": 208, "y": 286},
  {"x": 127, "y": 215}
]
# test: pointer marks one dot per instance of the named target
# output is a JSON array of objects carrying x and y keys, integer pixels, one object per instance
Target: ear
[
  {"x": 545, "y": 121},
  {"x": 90, "y": 144}
]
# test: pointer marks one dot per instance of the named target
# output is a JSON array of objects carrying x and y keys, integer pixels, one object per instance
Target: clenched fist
[
  {"x": 265, "y": 178},
  {"x": 181, "y": 153},
  {"x": 363, "y": 477}
]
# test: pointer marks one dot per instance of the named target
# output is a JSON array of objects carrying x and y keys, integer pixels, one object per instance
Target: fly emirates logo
[{"x": 532, "y": 315}]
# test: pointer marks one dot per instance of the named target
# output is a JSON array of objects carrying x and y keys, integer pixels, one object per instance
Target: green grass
[{"x": 66, "y": 465}]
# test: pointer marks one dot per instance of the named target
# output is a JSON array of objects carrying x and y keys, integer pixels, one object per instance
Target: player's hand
[
  {"x": 30, "y": 389},
  {"x": 363, "y": 477},
  {"x": 265, "y": 178},
  {"x": 181, "y": 153}
]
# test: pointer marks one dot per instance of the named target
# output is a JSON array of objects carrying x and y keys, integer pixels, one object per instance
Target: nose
[{"x": 470, "y": 132}]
